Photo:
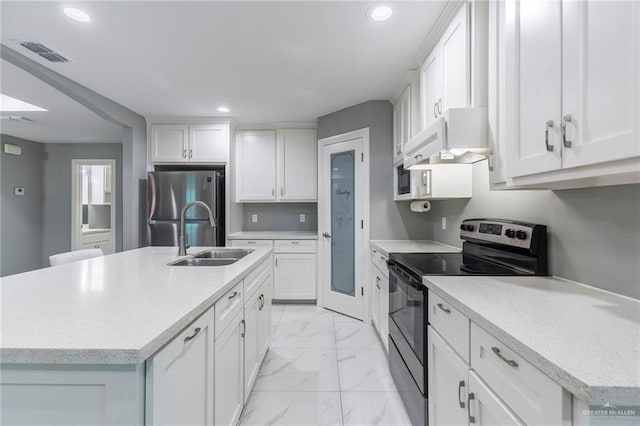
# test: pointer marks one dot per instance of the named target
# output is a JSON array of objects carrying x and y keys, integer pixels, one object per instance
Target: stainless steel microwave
[{"x": 411, "y": 184}]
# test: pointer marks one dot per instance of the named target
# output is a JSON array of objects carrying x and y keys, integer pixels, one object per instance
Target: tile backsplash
[{"x": 280, "y": 217}]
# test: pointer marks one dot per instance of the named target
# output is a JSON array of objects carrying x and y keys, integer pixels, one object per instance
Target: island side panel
[{"x": 71, "y": 395}]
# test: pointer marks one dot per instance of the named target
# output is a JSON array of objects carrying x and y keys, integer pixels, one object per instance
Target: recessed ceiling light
[
  {"x": 380, "y": 12},
  {"x": 223, "y": 109},
  {"x": 76, "y": 14},
  {"x": 7, "y": 103}
]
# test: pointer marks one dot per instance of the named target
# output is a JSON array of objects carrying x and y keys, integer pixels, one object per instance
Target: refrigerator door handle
[{"x": 152, "y": 194}]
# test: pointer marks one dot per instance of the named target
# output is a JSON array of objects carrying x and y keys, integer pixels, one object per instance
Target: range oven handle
[{"x": 403, "y": 276}]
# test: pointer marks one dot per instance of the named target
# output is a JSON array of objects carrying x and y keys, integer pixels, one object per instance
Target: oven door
[{"x": 408, "y": 319}]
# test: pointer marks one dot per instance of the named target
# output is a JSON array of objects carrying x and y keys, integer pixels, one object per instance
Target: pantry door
[{"x": 342, "y": 227}]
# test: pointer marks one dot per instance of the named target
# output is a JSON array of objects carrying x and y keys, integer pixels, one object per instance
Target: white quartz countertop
[
  {"x": 585, "y": 339},
  {"x": 274, "y": 235},
  {"x": 413, "y": 246},
  {"x": 115, "y": 309}
]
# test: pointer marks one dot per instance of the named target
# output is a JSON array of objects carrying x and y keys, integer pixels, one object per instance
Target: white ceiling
[
  {"x": 268, "y": 61},
  {"x": 66, "y": 121}
]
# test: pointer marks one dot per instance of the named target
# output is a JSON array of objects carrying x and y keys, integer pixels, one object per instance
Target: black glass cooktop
[{"x": 450, "y": 264}]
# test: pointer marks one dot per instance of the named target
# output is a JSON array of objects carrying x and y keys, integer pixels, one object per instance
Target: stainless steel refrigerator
[{"x": 168, "y": 192}]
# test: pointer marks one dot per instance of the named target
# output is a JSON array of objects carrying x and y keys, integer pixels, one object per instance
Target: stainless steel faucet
[{"x": 182, "y": 250}]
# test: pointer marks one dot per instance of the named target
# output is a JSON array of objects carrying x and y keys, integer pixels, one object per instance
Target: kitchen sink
[{"x": 213, "y": 257}]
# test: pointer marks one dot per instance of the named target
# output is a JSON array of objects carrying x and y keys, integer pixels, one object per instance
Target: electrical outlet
[
  {"x": 18, "y": 191},
  {"x": 302, "y": 217},
  {"x": 444, "y": 222},
  {"x": 254, "y": 218}
]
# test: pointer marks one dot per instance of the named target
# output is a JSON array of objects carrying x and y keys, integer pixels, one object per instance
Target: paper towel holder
[{"x": 420, "y": 206}]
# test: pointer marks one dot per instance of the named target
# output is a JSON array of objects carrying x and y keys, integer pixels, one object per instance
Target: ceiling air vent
[{"x": 43, "y": 51}]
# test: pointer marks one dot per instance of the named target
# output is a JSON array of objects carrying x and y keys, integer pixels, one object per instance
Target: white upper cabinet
[
  {"x": 445, "y": 75},
  {"x": 533, "y": 31},
  {"x": 169, "y": 142},
  {"x": 198, "y": 143},
  {"x": 572, "y": 95},
  {"x": 282, "y": 168},
  {"x": 297, "y": 165},
  {"x": 256, "y": 161},
  {"x": 600, "y": 89},
  {"x": 208, "y": 143}
]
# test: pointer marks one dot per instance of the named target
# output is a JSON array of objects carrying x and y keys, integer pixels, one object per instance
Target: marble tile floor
[{"x": 323, "y": 368}]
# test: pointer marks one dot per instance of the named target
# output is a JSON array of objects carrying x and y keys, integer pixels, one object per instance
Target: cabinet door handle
[
  {"x": 441, "y": 306},
  {"x": 490, "y": 161},
  {"x": 276, "y": 263},
  {"x": 460, "y": 400},
  {"x": 281, "y": 191},
  {"x": 195, "y": 333},
  {"x": 273, "y": 192},
  {"x": 566, "y": 119},
  {"x": 418, "y": 157},
  {"x": 244, "y": 328},
  {"x": 184, "y": 153},
  {"x": 190, "y": 153},
  {"x": 548, "y": 125},
  {"x": 502, "y": 357},
  {"x": 435, "y": 110},
  {"x": 440, "y": 106},
  {"x": 234, "y": 294},
  {"x": 470, "y": 398}
]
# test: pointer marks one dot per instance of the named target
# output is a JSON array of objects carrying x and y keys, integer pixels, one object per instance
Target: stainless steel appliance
[
  {"x": 168, "y": 192},
  {"x": 491, "y": 247},
  {"x": 402, "y": 183}
]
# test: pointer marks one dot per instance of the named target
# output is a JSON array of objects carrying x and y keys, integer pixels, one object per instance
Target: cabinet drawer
[
  {"x": 255, "y": 278},
  {"x": 450, "y": 323},
  {"x": 294, "y": 246},
  {"x": 251, "y": 243},
  {"x": 380, "y": 261},
  {"x": 227, "y": 307},
  {"x": 533, "y": 396}
]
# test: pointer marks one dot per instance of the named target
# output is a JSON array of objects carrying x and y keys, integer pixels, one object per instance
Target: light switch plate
[
  {"x": 444, "y": 222},
  {"x": 302, "y": 217},
  {"x": 18, "y": 191},
  {"x": 254, "y": 218}
]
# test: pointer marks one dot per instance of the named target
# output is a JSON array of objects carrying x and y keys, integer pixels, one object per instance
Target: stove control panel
[{"x": 506, "y": 232}]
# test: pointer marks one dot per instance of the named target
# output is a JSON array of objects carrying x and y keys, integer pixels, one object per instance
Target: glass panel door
[{"x": 342, "y": 222}]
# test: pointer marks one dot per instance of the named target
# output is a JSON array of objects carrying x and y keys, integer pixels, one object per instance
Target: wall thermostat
[{"x": 18, "y": 191}]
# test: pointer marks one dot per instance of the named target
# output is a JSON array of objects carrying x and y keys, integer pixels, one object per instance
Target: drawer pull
[
  {"x": 251, "y": 242},
  {"x": 460, "y": 386},
  {"x": 443, "y": 308},
  {"x": 508, "y": 361},
  {"x": 295, "y": 242},
  {"x": 235, "y": 293},
  {"x": 470, "y": 398},
  {"x": 244, "y": 327},
  {"x": 195, "y": 333}
]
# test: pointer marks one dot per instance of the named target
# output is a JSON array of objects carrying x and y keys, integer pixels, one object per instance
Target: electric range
[{"x": 491, "y": 247}]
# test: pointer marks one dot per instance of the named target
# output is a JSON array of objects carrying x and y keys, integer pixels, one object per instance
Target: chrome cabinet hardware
[
  {"x": 273, "y": 192},
  {"x": 548, "y": 125},
  {"x": 490, "y": 161},
  {"x": 234, "y": 294},
  {"x": 378, "y": 282},
  {"x": 251, "y": 242},
  {"x": 566, "y": 119},
  {"x": 435, "y": 110},
  {"x": 184, "y": 153},
  {"x": 470, "y": 398},
  {"x": 441, "y": 306},
  {"x": 195, "y": 333},
  {"x": 191, "y": 153},
  {"x": 460, "y": 386},
  {"x": 499, "y": 355},
  {"x": 326, "y": 235},
  {"x": 281, "y": 191},
  {"x": 418, "y": 157},
  {"x": 440, "y": 106},
  {"x": 295, "y": 242},
  {"x": 244, "y": 328},
  {"x": 374, "y": 250},
  {"x": 261, "y": 299},
  {"x": 383, "y": 259}
]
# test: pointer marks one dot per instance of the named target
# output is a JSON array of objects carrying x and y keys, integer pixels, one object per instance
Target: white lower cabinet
[
  {"x": 180, "y": 378},
  {"x": 496, "y": 386},
  {"x": 228, "y": 373},
  {"x": 295, "y": 276},
  {"x": 380, "y": 295},
  {"x": 448, "y": 383},
  {"x": 485, "y": 408}
]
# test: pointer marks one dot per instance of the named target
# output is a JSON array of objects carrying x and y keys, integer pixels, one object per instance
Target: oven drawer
[
  {"x": 380, "y": 260},
  {"x": 533, "y": 396},
  {"x": 451, "y": 324}
]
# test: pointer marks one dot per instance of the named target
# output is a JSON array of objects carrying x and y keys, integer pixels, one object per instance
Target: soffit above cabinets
[{"x": 267, "y": 61}]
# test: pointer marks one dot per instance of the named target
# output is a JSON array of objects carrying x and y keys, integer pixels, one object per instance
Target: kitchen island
[{"x": 78, "y": 341}]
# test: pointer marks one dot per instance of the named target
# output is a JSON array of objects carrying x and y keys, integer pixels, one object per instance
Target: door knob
[{"x": 326, "y": 235}]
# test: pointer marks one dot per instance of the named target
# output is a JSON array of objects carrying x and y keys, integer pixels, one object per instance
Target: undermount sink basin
[{"x": 213, "y": 257}]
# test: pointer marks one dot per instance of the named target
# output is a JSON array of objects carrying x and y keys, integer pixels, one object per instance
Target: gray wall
[
  {"x": 389, "y": 220},
  {"x": 280, "y": 217},
  {"x": 594, "y": 232},
  {"x": 57, "y": 189},
  {"x": 21, "y": 216}
]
